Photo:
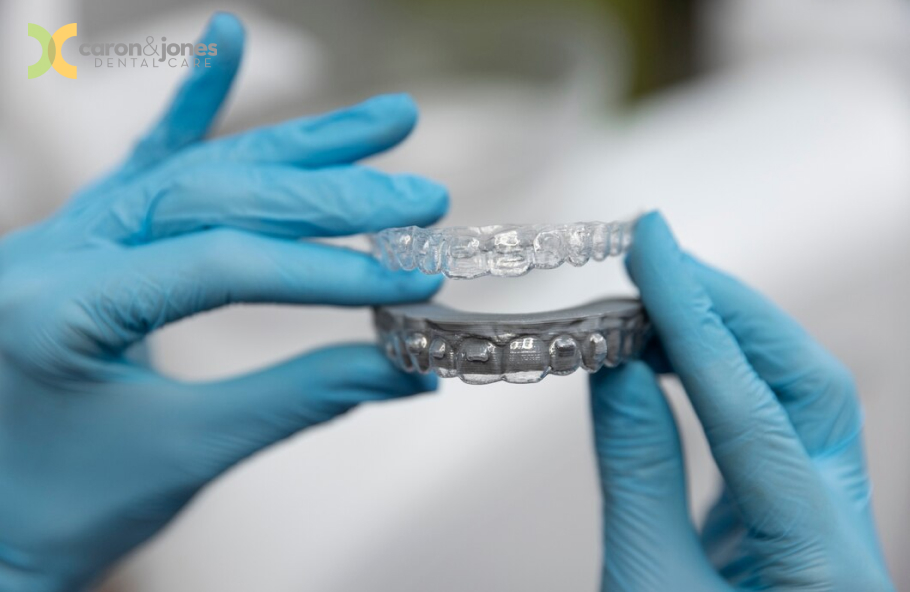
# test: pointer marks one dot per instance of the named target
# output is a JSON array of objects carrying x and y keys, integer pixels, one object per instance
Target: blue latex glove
[
  {"x": 784, "y": 426},
  {"x": 97, "y": 453}
]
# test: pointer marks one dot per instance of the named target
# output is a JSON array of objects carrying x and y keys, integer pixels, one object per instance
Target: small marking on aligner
[
  {"x": 477, "y": 352},
  {"x": 438, "y": 349}
]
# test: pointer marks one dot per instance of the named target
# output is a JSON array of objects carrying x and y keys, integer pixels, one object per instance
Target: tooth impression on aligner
[
  {"x": 499, "y": 250},
  {"x": 521, "y": 349}
]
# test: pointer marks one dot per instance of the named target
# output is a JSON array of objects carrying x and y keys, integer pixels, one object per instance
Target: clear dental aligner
[
  {"x": 503, "y": 250},
  {"x": 518, "y": 348}
]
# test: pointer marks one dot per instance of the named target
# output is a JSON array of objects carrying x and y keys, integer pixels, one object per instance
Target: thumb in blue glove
[{"x": 783, "y": 422}]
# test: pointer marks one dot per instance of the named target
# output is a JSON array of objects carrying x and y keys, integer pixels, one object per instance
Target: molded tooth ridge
[
  {"x": 521, "y": 349},
  {"x": 500, "y": 250}
]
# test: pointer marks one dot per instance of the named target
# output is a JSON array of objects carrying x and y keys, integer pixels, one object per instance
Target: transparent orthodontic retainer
[
  {"x": 482, "y": 348},
  {"x": 512, "y": 250}
]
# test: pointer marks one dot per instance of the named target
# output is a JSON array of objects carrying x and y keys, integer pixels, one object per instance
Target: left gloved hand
[
  {"x": 97, "y": 453},
  {"x": 782, "y": 418}
]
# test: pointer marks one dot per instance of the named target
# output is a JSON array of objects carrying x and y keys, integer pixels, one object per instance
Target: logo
[
  {"x": 150, "y": 55},
  {"x": 117, "y": 55},
  {"x": 52, "y": 46}
]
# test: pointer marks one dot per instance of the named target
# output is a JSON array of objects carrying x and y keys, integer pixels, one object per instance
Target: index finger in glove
[
  {"x": 338, "y": 137},
  {"x": 190, "y": 114},
  {"x": 267, "y": 199},
  {"x": 194, "y": 107}
]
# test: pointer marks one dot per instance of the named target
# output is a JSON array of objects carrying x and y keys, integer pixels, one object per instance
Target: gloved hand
[
  {"x": 97, "y": 453},
  {"x": 784, "y": 426}
]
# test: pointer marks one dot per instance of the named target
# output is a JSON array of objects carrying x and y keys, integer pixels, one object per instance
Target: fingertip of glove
[
  {"x": 421, "y": 284},
  {"x": 396, "y": 381},
  {"x": 628, "y": 393},
  {"x": 399, "y": 286},
  {"x": 399, "y": 107},
  {"x": 408, "y": 384},
  {"x": 432, "y": 196},
  {"x": 225, "y": 21},
  {"x": 224, "y": 24},
  {"x": 654, "y": 252},
  {"x": 225, "y": 34},
  {"x": 650, "y": 217},
  {"x": 618, "y": 380},
  {"x": 427, "y": 383},
  {"x": 652, "y": 231},
  {"x": 365, "y": 368}
]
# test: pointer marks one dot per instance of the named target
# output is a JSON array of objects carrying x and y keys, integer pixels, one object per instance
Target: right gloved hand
[
  {"x": 785, "y": 428},
  {"x": 97, "y": 453}
]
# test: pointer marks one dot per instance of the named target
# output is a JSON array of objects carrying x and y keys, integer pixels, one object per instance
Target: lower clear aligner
[
  {"x": 524, "y": 359},
  {"x": 484, "y": 351},
  {"x": 502, "y": 250}
]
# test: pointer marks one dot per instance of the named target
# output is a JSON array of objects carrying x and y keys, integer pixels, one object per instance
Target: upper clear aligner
[{"x": 507, "y": 250}]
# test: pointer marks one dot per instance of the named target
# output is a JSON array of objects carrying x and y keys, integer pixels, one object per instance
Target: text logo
[{"x": 52, "y": 46}]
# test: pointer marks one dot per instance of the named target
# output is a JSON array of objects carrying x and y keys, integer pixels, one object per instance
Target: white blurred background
[{"x": 782, "y": 156}]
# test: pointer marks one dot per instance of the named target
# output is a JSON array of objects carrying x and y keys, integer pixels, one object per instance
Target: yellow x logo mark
[{"x": 51, "y": 54}]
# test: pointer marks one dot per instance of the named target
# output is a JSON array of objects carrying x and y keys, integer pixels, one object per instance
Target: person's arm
[
  {"x": 784, "y": 425},
  {"x": 98, "y": 453}
]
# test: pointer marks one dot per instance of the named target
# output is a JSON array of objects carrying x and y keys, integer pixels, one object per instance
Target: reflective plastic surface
[
  {"x": 518, "y": 348},
  {"x": 500, "y": 250}
]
